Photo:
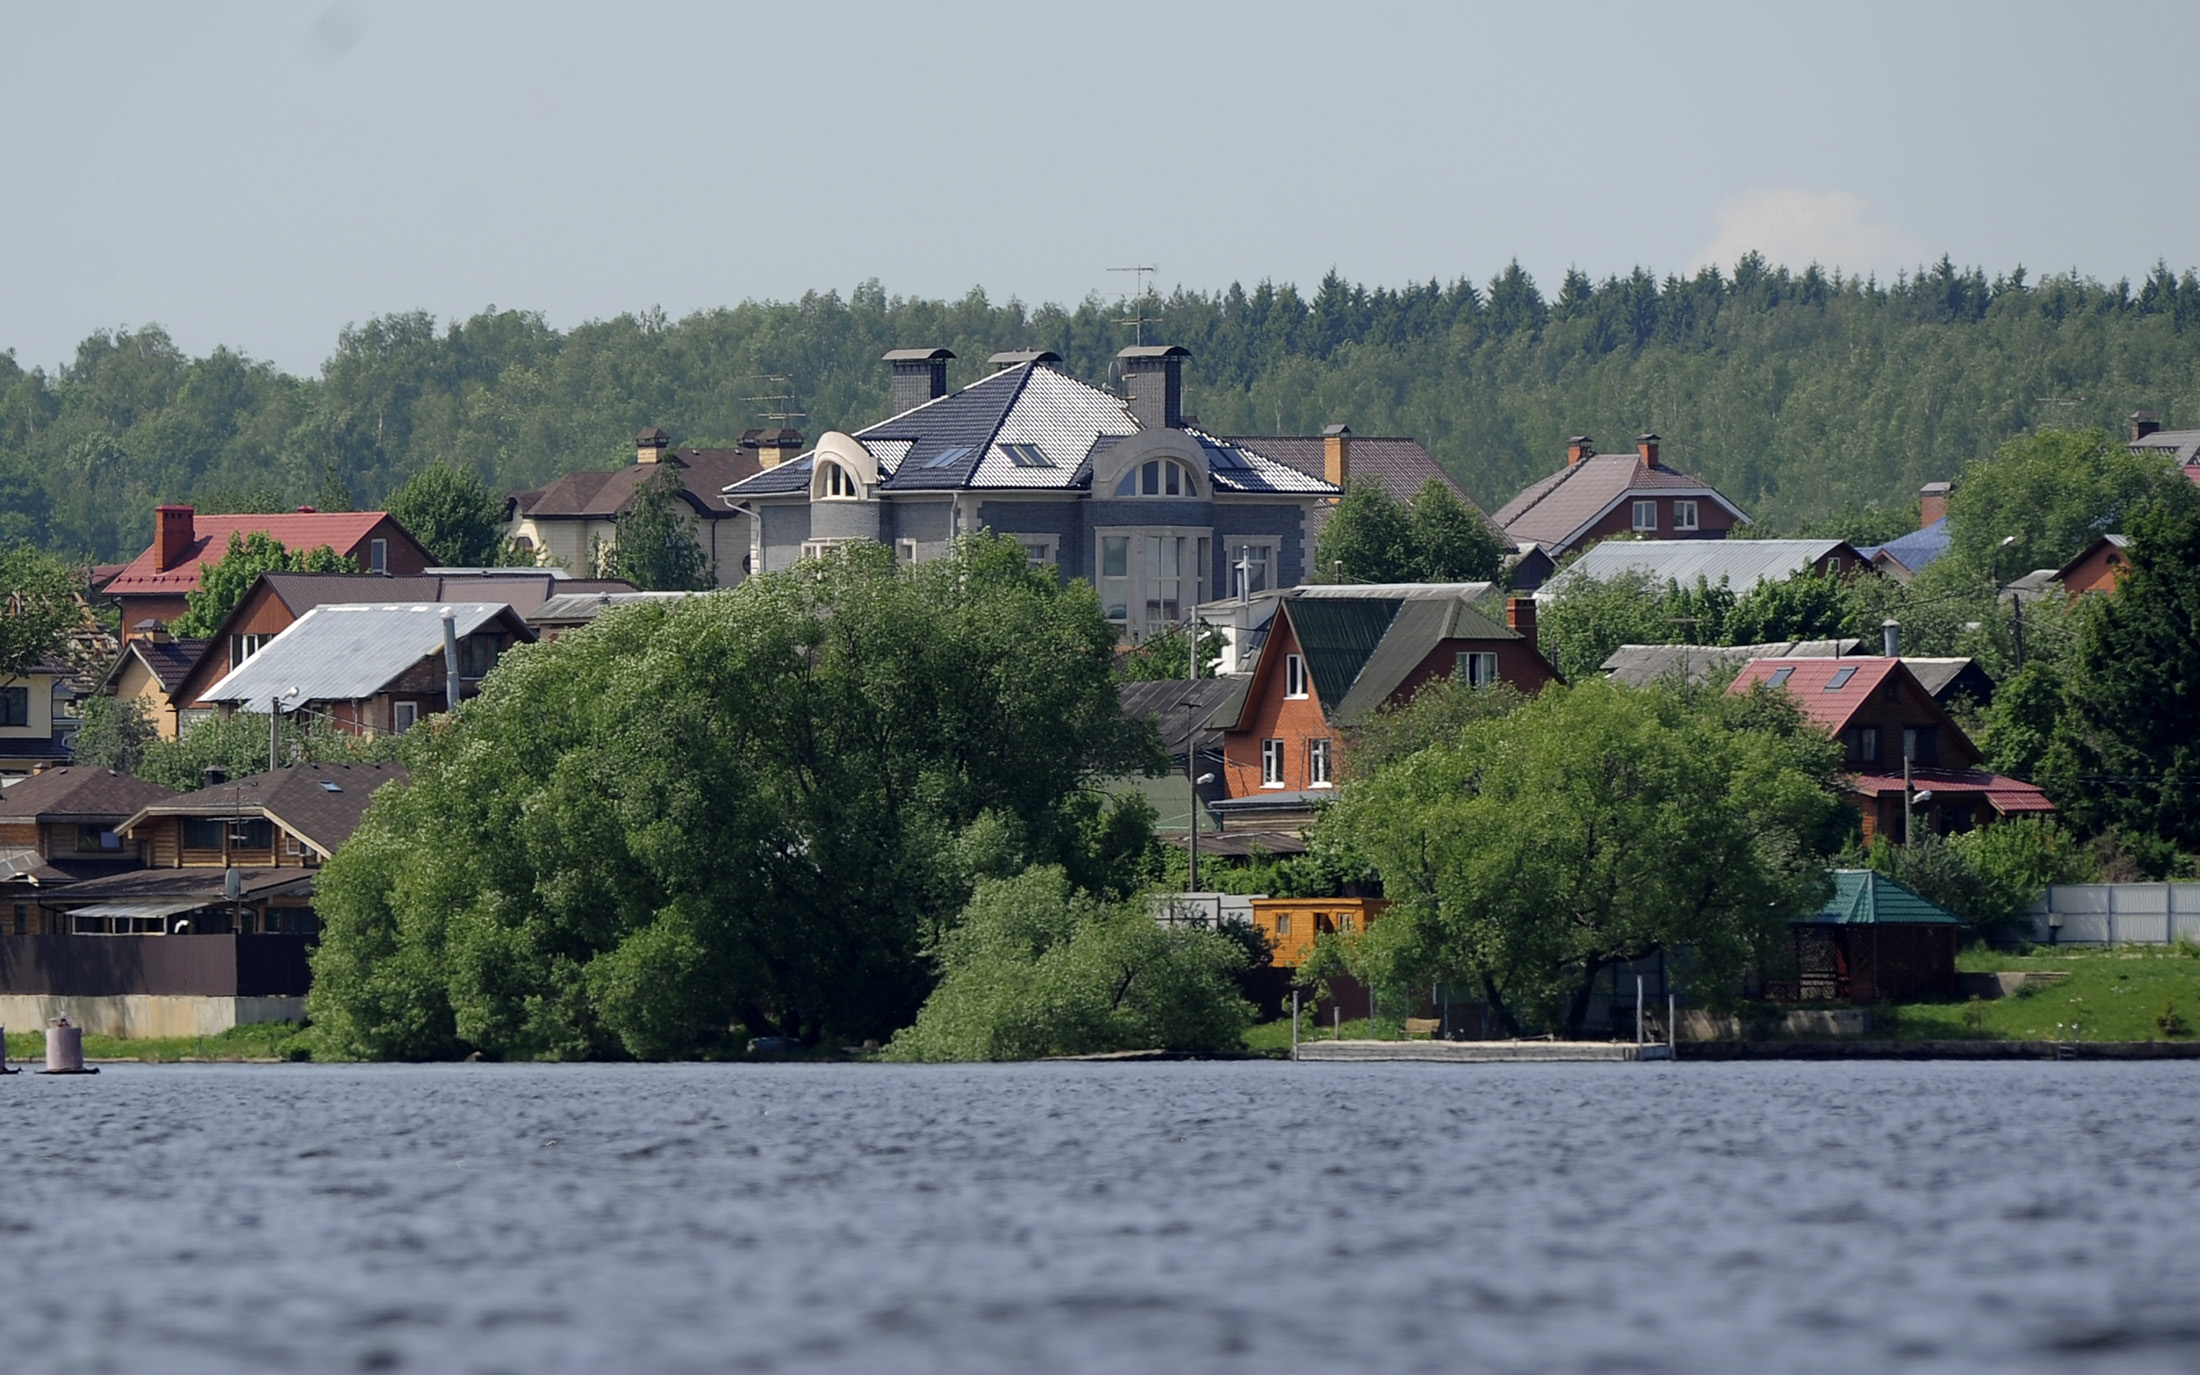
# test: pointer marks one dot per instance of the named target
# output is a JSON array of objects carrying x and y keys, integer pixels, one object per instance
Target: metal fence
[{"x": 2117, "y": 914}]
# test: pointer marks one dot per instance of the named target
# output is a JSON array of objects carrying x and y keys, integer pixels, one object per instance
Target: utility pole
[{"x": 1191, "y": 740}]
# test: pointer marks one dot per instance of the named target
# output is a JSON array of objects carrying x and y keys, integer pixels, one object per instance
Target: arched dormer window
[
  {"x": 1158, "y": 477},
  {"x": 840, "y": 484}
]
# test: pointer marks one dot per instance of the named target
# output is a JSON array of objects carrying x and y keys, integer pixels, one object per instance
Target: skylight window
[
  {"x": 1027, "y": 456},
  {"x": 948, "y": 457},
  {"x": 1780, "y": 676},
  {"x": 1840, "y": 678},
  {"x": 329, "y": 787}
]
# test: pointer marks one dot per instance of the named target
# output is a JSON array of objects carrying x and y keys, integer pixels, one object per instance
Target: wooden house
[
  {"x": 61, "y": 827},
  {"x": 1872, "y": 940},
  {"x": 1885, "y": 718},
  {"x": 1292, "y": 924}
]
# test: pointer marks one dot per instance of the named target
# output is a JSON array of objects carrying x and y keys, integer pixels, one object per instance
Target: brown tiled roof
[
  {"x": 78, "y": 790},
  {"x": 319, "y": 803},
  {"x": 1553, "y": 510},
  {"x": 168, "y": 660},
  {"x": 298, "y": 531},
  {"x": 704, "y": 473},
  {"x": 1401, "y": 465}
]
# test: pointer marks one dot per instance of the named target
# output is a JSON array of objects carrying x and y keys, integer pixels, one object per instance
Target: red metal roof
[
  {"x": 296, "y": 531},
  {"x": 1811, "y": 683},
  {"x": 2002, "y": 793}
]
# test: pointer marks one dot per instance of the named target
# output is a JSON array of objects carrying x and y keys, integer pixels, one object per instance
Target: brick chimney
[
  {"x": 150, "y": 631},
  {"x": 1579, "y": 448},
  {"x": 1016, "y": 358},
  {"x": 1337, "y": 454},
  {"x": 1153, "y": 382},
  {"x": 2144, "y": 423},
  {"x": 920, "y": 375},
  {"x": 173, "y": 536},
  {"x": 1520, "y": 619},
  {"x": 773, "y": 447},
  {"x": 650, "y": 444},
  {"x": 1932, "y": 502},
  {"x": 1646, "y": 445}
]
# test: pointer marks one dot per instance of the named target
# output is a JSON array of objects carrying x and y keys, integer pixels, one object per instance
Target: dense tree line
[{"x": 1802, "y": 395}]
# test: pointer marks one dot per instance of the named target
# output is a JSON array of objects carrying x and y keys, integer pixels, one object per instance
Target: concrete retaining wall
[
  {"x": 1699, "y": 1025},
  {"x": 1481, "y": 1052},
  {"x": 140, "y": 1016}
]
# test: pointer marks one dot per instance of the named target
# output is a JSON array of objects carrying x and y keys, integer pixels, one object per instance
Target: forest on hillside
[{"x": 1809, "y": 397}]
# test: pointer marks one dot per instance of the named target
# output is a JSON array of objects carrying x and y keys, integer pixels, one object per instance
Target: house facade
[
  {"x": 61, "y": 827},
  {"x": 574, "y": 521},
  {"x": 150, "y": 670},
  {"x": 1334, "y": 654},
  {"x": 1123, "y": 491},
  {"x": 1885, "y": 718},
  {"x": 37, "y": 717},
  {"x": 1598, "y": 495},
  {"x": 2100, "y": 568},
  {"x": 153, "y": 585}
]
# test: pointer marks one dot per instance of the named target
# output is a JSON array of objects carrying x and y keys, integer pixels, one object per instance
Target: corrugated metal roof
[
  {"x": 1642, "y": 665},
  {"x": 1337, "y": 638},
  {"x": 344, "y": 653},
  {"x": 1740, "y": 563},
  {"x": 1865, "y": 897},
  {"x": 578, "y": 608}
]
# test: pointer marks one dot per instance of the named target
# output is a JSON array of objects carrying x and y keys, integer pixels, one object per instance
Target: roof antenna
[{"x": 1136, "y": 318}]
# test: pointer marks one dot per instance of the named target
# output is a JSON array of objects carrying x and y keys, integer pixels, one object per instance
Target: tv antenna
[
  {"x": 780, "y": 402},
  {"x": 1134, "y": 305}
]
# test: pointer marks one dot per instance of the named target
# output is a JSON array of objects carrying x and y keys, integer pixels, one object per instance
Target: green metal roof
[
  {"x": 1866, "y": 897},
  {"x": 1337, "y": 637}
]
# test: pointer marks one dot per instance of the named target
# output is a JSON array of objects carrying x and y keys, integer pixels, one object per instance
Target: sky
[{"x": 261, "y": 175}]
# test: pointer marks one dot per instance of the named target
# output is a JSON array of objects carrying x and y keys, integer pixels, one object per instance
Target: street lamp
[{"x": 2016, "y": 602}]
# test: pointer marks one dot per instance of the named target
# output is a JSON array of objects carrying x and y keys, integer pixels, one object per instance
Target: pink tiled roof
[
  {"x": 1809, "y": 682},
  {"x": 2002, "y": 793},
  {"x": 1553, "y": 510},
  {"x": 339, "y": 530}
]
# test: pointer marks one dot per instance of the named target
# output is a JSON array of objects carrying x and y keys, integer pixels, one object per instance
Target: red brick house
[
  {"x": 153, "y": 585},
  {"x": 1883, "y": 716},
  {"x": 1596, "y": 495},
  {"x": 1336, "y": 653},
  {"x": 2099, "y": 569}
]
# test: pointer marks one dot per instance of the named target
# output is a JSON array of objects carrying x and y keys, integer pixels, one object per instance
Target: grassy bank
[
  {"x": 2111, "y": 995},
  {"x": 261, "y": 1041}
]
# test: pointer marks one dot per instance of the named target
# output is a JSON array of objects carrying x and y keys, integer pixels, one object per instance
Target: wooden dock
[{"x": 1483, "y": 1052}]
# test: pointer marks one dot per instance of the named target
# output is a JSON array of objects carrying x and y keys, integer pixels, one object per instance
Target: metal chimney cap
[{"x": 917, "y": 355}]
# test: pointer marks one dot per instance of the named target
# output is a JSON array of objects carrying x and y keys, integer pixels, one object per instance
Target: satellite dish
[{"x": 232, "y": 883}]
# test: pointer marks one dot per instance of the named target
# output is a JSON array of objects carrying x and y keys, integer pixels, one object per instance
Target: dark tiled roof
[
  {"x": 321, "y": 803},
  {"x": 1183, "y": 709},
  {"x": 169, "y": 661},
  {"x": 597, "y": 495},
  {"x": 1553, "y": 511},
  {"x": 205, "y": 882},
  {"x": 79, "y": 791},
  {"x": 1401, "y": 465}
]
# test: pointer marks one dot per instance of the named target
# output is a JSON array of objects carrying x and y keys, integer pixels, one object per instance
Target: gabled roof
[
  {"x": 579, "y": 608},
  {"x": 1642, "y": 665},
  {"x": 1914, "y": 550},
  {"x": 1865, "y": 897},
  {"x": 1741, "y": 564},
  {"x": 602, "y": 495},
  {"x": 2104, "y": 542},
  {"x": 319, "y": 803},
  {"x": 346, "y": 653},
  {"x": 1362, "y": 642},
  {"x": 1829, "y": 691},
  {"x": 1023, "y": 428},
  {"x": 296, "y": 531},
  {"x": 78, "y": 792},
  {"x": 1186, "y": 709},
  {"x": 2182, "y": 446},
  {"x": 169, "y": 661},
  {"x": 1555, "y": 511}
]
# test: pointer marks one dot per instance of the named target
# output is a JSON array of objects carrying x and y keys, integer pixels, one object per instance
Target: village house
[
  {"x": 2179, "y": 447},
  {"x": 2100, "y": 567},
  {"x": 1885, "y": 719},
  {"x": 1596, "y": 495},
  {"x": 63, "y": 826},
  {"x": 572, "y": 610},
  {"x": 1336, "y": 653},
  {"x": 1948, "y": 680},
  {"x": 1124, "y": 491},
  {"x": 1400, "y": 466},
  {"x": 372, "y": 669},
  {"x": 150, "y": 670},
  {"x": 1903, "y": 558},
  {"x": 276, "y": 601},
  {"x": 574, "y": 521},
  {"x": 38, "y": 720},
  {"x": 153, "y": 585},
  {"x": 1741, "y": 565}
]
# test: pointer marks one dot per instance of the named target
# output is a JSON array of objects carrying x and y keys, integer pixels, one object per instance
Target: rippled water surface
[{"x": 1159, "y": 1217}]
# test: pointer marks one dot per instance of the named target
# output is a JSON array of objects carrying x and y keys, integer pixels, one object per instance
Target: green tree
[
  {"x": 1595, "y": 825},
  {"x": 1368, "y": 538},
  {"x": 116, "y": 733},
  {"x": 237, "y": 746},
  {"x": 1449, "y": 540},
  {"x": 2126, "y": 752},
  {"x": 657, "y": 548},
  {"x": 758, "y": 807},
  {"x": 1035, "y": 968},
  {"x": 42, "y": 607},
  {"x": 1162, "y": 655},
  {"x": 454, "y": 514},
  {"x": 224, "y": 582},
  {"x": 2051, "y": 493},
  {"x": 1804, "y": 607}
]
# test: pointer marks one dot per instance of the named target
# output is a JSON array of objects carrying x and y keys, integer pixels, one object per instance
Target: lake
[{"x": 1255, "y": 1217}]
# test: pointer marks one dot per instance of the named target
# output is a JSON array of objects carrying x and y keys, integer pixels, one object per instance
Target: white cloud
[{"x": 1796, "y": 228}]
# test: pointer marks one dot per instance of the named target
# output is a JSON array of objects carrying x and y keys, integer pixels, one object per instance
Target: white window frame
[
  {"x": 1271, "y": 763},
  {"x": 1158, "y": 472},
  {"x": 837, "y": 475},
  {"x": 403, "y": 716},
  {"x": 378, "y": 556},
  {"x": 905, "y": 550},
  {"x": 1321, "y": 762},
  {"x": 1040, "y": 551},
  {"x": 817, "y": 548},
  {"x": 1646, "y": 516},
  {"x": 1684, "y": 515},
  {"x": 1191, "y": 583},
  {"x": 1266, "y": 550},
  {"x": 1475, "y": 667},
  {"x": 1294, "y": 678}
]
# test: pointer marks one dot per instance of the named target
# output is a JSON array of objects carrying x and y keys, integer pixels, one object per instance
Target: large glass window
[
  {"x": 1164, "y": 578},
  {"x": 1160, "y": 477},
  {"x": 203, "y": 833},
  {"x": 1271, "y": 763},
  {"x": 1115, "y": 577}
]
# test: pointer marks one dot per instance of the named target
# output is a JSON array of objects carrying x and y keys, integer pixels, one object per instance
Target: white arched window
[
  {"x": 1158, "y": 477},
  {"x": 840, "y": 484}
]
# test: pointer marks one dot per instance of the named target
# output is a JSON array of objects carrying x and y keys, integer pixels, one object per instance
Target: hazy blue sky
[{"x": 261, "y": 174}]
